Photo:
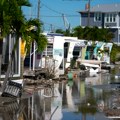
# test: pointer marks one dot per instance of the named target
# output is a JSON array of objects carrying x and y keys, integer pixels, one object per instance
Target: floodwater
[{"x": 78, "y": 99}]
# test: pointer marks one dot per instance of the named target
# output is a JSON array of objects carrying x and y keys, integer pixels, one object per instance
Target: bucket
[{"x": 70, "y": 76}]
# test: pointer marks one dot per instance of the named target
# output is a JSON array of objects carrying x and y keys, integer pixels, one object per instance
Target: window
[
  {"x": 107, "y": 18},
  {"x": 114, "y": 18},
  {"x": 49, "y": 50},
  {"x": 110, "y": 17},
  {"x": 97, "y": 16},
  {"x": 76, "y": 51},
  {"x": 66, "y": 47}
]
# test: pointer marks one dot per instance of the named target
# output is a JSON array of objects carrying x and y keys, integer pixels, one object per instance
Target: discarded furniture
[{"x": 12, "y": 89}]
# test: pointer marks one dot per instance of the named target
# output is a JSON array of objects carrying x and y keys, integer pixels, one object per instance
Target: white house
[
  {"x": 61, "y": 50},
  {"x": 7, "y": 46}
]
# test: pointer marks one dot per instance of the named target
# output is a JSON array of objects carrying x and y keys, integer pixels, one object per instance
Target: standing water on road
[{"x": 89, "y": 98}]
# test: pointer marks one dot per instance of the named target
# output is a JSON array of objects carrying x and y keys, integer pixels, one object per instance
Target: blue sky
[{"x": 51, "y": 11}]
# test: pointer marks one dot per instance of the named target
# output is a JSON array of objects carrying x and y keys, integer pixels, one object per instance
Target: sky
[{"x": 51, "y": 12}]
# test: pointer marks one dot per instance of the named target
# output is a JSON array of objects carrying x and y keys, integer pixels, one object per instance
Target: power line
[
  {"x": 51, "y": 8},
  {"x": 53, "y": 25},
  {"x": 60, "y": 16},
  {"x": 75, "y": 0},
  {"x": 54, "y": 10},
  {"x": 89, "y": 5},
  {"x": 54, "y": 16},
  {"x": 39, "y": 4}
]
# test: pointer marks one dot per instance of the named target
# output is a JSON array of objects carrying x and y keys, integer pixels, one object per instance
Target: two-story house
[{"x": 103, "y": 16}]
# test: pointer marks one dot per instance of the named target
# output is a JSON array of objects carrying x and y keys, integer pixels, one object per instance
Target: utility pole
[
  {"x": 38, "y": 16},
  {"x": 51, "y": 28},
  {"x": 88, "y": 22},
  {"x": 38, "y": 12},
  {"x": 89, "y": 3}
]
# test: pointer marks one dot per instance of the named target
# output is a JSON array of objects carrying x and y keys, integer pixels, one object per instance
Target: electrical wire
[
  {"x": 51, "y": 16},
  {"x": 54, "y": 16},
  {"x": 51, "y": 8},
  {"x": 54, "y": 10},
  {"x": 53, "y": 25}
]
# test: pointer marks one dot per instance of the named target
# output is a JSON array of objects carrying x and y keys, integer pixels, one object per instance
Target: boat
[
  {"x": 93, "y": 65},
  {"x": 93, "y": 68}
]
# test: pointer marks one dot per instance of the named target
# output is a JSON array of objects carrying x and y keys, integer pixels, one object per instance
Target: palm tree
[
  {"x": 78, "y": 31},
  {"x": 106, "y": 35},
  {"x": 13, "y": 21},
  {"x": 94, "y": 33},
  {"x": 10, "y": 17},
  {"x": 32, "y": 32},
  {"x": 60, "y": 31},
  {"x": 87, "y": 33}
]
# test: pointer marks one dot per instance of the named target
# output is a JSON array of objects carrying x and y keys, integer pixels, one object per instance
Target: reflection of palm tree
[
  {"x": 86, "y": 109},
  {"x": 88, "y": 105}
]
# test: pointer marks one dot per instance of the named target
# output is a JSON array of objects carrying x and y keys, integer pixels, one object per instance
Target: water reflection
[{"x": 78, "y": 99}]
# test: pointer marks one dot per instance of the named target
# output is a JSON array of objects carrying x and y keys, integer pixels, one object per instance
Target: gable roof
[{"x": 105, "y": 8}]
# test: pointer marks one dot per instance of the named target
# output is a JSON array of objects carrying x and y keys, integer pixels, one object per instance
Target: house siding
[
  {"x": 84, "y": 20},
  {"x": 101, "y": 24},
  {"x": 110, "y": 25}
]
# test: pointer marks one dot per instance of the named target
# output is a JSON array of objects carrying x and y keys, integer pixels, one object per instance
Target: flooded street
[{"x": 79, "y": 99}]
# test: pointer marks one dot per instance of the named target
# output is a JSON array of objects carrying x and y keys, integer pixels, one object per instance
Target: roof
[{"x": 105, "y": 8}]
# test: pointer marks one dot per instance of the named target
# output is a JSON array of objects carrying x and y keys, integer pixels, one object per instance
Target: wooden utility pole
[
  {"x": 89, "y": 1},
  {"x": 88, "y": 22},
  {"x": 38, "y": 12}
]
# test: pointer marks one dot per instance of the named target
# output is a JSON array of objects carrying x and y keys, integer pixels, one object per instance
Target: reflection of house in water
[
  {"x": 53, "y": 105},
  {"x": 69, "y": 97},
  {"x": 8, "y": 107},
  {"x": 95, "y": 80},
  {"x": 112, "y": 109},
  {"x": 56, "y": 104},
  {"x": 82, "y": 89},
  {"x": 79, "y": 89},
  {"x": 35, "y": 106},
  {"x": 47, "y": 103}
]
